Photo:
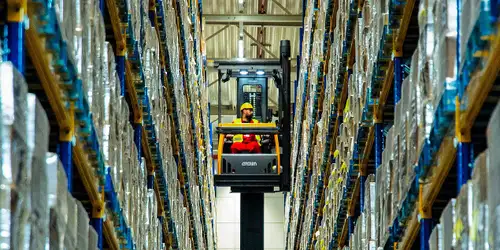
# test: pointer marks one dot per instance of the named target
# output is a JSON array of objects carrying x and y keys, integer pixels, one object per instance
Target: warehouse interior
[{"x": 249, "y": 124}]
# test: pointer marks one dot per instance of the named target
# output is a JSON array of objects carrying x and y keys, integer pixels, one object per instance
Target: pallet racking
[
  {"x": 60, "y": 90},
  {"x": 474, "y": 92}
]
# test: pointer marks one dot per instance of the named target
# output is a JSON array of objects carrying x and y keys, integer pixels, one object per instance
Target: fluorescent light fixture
[
  {"x": 260, "y": 72},
  {"x": 241, "y": 1},
  {"x": 244, "y": 72},
  {"x": 241, "y": 49}
]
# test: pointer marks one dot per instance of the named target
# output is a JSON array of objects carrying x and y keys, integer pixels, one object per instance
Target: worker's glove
[
  {"x": 265, "y": 141},
  {"x": 228, "y": 139}
]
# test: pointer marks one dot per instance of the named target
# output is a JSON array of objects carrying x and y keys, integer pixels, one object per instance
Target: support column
[
  {"x": 398, "y": 75},
  {"x": 97, "y": 222},
  {"x": 65, "y": 148},
  {"x": 362, "y": 180},
  {"x": 65, "y": 152},
  {"x": 464, "y": 150},
  {"x": 16, "y": 11},
  {"x": 138, "y": 139},
  {"x": 464, "y": 161},
  {"x": 151, "y": 180},
  {"x": 425, "y": 233},
  {"x": 350, "y": 228},
  {"x": 120, "y": 67},
  {"x": 425, "y": 221},
  {"x": 379, "y": 133}
]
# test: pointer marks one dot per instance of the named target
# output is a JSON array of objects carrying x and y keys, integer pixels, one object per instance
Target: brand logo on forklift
[{"x": 249, "y": 164}]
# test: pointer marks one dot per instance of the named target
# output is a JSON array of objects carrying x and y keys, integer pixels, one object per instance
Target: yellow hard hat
[{"x": 246, "y": 105}]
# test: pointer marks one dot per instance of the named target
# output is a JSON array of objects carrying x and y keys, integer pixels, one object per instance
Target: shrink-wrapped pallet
[
  {"x": 404, "y": 167},
  {"x": 93, "y": 239},
  {"x": 434, "y": 239},
  {"x": 96, "y": 101},
  {"x": 447, "y": 221},
  {"x": 70, "y": 238},
  {"x": 415, "y": 116},
  {"x": 16, "y": 164},
  {"x": 493, "y": 168},
  {"x": 57, "y": 201},
  {"x": 38, "y": 127},
  {"x": 479, "y": 223},
  {"x": 397, "y": 172},
  {"x": 370, "y": 207},
  {"x": 470, "y": 12},
  {"x": 82, "y": 233},
  {"x": 463, "y": 217}
]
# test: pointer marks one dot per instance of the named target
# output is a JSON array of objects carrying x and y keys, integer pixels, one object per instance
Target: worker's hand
[{"x": 228, "y": 139}]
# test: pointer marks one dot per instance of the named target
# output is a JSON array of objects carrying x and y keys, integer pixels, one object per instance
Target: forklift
[{"x": 253, "y": 174}]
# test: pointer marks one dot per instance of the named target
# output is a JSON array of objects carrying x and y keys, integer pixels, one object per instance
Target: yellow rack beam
[
  {"x": 40, "y": 59},
  {"x": 116, "y": 24},
  {"x": 108, "y": 231},
  {"x": 403, "y": 28},
  {"x": 85, "y": 170},
  {"x": 411, "y": 233},
  {"x": 479, "y": 87},
  {"x": 147, "y": 151},
  {"x": 477, "y": 93},
  {"x": 129, "y": 83}
]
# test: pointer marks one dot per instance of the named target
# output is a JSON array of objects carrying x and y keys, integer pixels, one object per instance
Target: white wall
[{"x": 228, "y": 220}]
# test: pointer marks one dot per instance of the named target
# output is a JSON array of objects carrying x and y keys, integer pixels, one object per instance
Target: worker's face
[{"x": 248, "y": 113}]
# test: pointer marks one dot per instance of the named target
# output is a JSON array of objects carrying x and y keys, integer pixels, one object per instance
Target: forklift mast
[{"x": 252, "y": 175}]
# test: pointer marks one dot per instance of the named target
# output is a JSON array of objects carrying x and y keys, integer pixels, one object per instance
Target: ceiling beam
[
  {"x": 261, "y": 31},
  {"x": 259, "y": 44},
  {"x": 282, "y": 7},
  {"x": 216, "y": 33},
  {"x": 254, "y": 20}
]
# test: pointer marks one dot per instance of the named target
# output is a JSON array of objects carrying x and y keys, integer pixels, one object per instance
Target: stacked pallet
[
  {"x": 411, "y": 142},
  {"x": 142, "y": 152},
  {"x": 38, "y": 210}
]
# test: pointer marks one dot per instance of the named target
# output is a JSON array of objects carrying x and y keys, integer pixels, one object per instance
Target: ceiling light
[
  {"x": 260, "y": 72},
  {"x": 241, "y": 49},
  {"x": 243, "y": 72}
]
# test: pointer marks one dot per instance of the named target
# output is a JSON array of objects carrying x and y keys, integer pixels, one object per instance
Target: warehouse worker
[{"x": 249, "y": 142}]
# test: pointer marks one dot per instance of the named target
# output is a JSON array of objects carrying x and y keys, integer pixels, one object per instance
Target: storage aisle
[
  {"x": 395, "y": 141},
  {"x": 105, "y": 126}
]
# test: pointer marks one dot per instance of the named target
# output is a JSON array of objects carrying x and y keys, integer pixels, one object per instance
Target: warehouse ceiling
[{"x": 265, "y": 23}]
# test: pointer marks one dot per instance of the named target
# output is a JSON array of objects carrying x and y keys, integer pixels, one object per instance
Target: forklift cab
[
  {"x": 267, "y": 162},
  {"x": 268, "y": 171}
]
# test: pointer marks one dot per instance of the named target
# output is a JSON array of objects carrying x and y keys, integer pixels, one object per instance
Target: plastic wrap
[
  {"x": 70, "y": 238},
  {"x": 463, "y": 208},
  {"x": 469, "y": 16},
  {"x": 15, "y": 160},
  {"x": 478, "y": 223},
  {"x": 370, "y": 207},
  {"x": 447, "y": 221},
  {"x": 82, "y": 232},
  {"x": 493, "y": 168},
  {"x": 434, "y": 239},
  {"x": 38, "y": 125},
  {"x": 93, "y": 239},
  {"x": 57, "y": 201},
  {"x": 397, "y": 171}
]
